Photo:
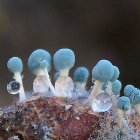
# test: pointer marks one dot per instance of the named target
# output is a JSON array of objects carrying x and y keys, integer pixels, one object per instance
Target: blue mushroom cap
[
  {"x": 129, "y": 92},
  {"x": 81, "y": 75},
  {"x": 116, "y": 74},
  {"x": 56, "y": 76},
  {"x": 39, "y": 59},
  {"x": 116, "y": 87},
  {"x": 103, "y": 71},
  {"x": 123, "y": 103},
  {"x": 63, "y": 59},
  {"x": 136, "y": 97},
  {"x": 105, "y": 85},
  {"x": 15, "y": 65}
]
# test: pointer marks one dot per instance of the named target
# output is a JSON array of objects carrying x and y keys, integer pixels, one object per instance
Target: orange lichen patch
[{"x": 54, "y": 118}]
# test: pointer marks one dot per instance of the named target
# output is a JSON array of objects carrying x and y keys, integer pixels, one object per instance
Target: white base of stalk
[
  {"x": 80, "y": 86},
  {"x": 49, "y": 82},
  {"x": 109, "y": 87},
  {"x": 96, "y": 88},
  {"x": 137, "y": 108},
  {"x": 120, "y": 117},
  {"x": 18, "y": 78},
  {"x": 64, "y": 72}
]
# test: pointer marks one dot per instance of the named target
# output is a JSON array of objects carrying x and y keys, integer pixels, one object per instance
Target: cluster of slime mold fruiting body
[
  {"x": 104, "y": 96},
  {"x": 16, "y": 67}
]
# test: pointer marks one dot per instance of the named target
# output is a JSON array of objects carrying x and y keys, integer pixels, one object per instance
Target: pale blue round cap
[
  {"x": 39, "y": 59},
  {"x": 116, "y": 74},
  {"x": 81, "y": 75},
  {"x": 129, "y": 91},
  {"x": 64, "y": 59},
  {"x": 15, "y": 65},
  {"x": 103, "y": 71},
  {"x": 116, "y": 87},
  {"x": 136, "y": 98},
  {"x": 123, "y": 103}
]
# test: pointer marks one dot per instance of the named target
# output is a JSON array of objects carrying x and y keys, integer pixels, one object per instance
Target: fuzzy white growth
[
  {"x": 49, "y": 82},
  {"x": 80, "y": 86},
  {"x": 64, "y": 72},
  {"x": 18, "y": 78},
  {"x": 44, "y": 72},
  {"x": 64, "y": 84},
  {"x": 137, "y": 108},
  {"x": 97, "y": 86},
  {"x": 109, "y": 87},
  {"x": 120, "y": 117}
]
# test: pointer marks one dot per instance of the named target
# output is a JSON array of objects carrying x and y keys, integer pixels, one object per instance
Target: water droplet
[
  {"x": 102, "y": 102},
  {"x": 13, "y": 87},
  {"x": 64, "y": 85},
  {"x": 40, "y": 84}
]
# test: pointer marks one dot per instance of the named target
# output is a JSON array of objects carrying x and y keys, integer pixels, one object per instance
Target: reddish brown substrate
[{"x": 61, "y": 120}]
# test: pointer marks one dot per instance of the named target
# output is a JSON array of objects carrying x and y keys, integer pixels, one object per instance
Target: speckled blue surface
[
  {"x": 39, "y": 59},
  {"x": 15, "y": 65},
  {"x": 123, "y": 103},
  {"x": 116, "y": 74},
  {"x": 116, "y": 87},
  {"x": 64, "y": 59},
  {"x": 81, "y": 74},
  {"x": 103, "y": 71}
]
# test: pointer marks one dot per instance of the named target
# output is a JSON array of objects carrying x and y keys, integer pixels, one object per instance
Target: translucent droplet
[
  {"x": 40, "y": 84},
  {"x": 13, "y": 87},
  {"x": 64, "y": 85},
  {"x": 102, "y": 102}
]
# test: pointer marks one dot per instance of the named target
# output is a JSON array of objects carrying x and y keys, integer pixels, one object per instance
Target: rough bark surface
[{"x": 44, "y": 118}]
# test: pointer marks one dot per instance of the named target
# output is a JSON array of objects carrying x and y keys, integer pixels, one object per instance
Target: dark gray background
[{"x": 105, "y": 29}]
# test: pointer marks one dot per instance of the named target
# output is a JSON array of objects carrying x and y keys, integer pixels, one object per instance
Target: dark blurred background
[{"x": 105, "y": 29}]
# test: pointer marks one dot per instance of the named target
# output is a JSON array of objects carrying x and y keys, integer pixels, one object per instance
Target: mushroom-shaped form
[
  {"x": 15, "y": 66},
  {"x": 102, "y": 73},
  {"x": 116, "y": 74},
  {"x": 64, "y": 60},
  {"x": 123, "y": 105},
  {"x": 136, "y": 100},
  {"x": 114, "y": 78},
  {"x": 39, "y": 64},
  {"x": 56, "y": 76},
  {"x": 81, "y": 75},
  {"x": 129, "y": 91},
  {"x": 116, "y": 87}
]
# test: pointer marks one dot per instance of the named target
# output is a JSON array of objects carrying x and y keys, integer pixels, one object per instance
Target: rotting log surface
[{"x": 48, "y": 118}]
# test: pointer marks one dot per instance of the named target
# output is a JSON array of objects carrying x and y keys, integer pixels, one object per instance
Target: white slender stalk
[
  {"x": 80, "y": 86},
  {"x": 49, "y": 82},
  {"x": 137, "y": 108},
  {"x": 96, "y": 88},
  {"x": 120, "y": 117},
  {"x": 109, "y": 87},
  {"x": 64, "y": 72},
  {"x": 18, "y": 78}
]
